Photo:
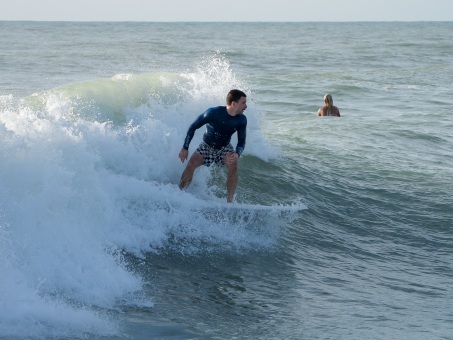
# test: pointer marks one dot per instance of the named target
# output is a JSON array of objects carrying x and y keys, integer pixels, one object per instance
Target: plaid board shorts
[{"x": 211, "y": 155}]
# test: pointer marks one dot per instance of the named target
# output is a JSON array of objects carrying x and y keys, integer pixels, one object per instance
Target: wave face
[{"x": 88, "y": 173}]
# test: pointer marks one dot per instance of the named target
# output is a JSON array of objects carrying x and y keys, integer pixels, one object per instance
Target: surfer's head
[
  {"x": 328, "y": 100},
  {"x": 234, "y": 96}
]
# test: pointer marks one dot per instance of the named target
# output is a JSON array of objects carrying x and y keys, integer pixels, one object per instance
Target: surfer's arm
[
  {"x": 242, "y": 134},
  {"x": 198, "y": 123}
]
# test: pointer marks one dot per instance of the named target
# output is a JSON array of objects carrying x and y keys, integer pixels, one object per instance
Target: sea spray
[{"x": 88, "y": 173}]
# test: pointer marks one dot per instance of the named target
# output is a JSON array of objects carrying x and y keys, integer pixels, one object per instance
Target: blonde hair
[
  {"x": 329, "y": 103},
  {"x": 328, "y": 99}
]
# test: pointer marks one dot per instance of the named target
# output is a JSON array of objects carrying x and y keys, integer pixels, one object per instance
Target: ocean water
[{"x": 98, "y": 242}]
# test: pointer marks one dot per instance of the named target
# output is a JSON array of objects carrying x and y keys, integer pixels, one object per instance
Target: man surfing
[{"x": 221, "y": 123}]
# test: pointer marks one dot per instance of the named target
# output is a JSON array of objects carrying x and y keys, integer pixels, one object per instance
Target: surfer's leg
[
  {"x": 232, "y": 178},
  {"x": 194, "y": 162}
]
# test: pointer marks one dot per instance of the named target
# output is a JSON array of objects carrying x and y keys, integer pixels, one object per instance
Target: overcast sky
[{"x": 229, "y": 10}]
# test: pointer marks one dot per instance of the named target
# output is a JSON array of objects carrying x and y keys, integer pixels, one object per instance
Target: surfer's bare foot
[{"x": 184, "y": 183}]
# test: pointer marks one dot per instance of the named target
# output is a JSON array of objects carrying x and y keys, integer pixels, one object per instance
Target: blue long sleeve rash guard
[{"x": 220, "y": 126}]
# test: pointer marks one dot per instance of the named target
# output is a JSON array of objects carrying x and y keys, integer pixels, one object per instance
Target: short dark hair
[{"x": 234, "y": 96}]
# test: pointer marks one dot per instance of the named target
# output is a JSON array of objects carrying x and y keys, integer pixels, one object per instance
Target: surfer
[
  {"x": 328, "y": 109},
  {"x": 221, "y": 123}
]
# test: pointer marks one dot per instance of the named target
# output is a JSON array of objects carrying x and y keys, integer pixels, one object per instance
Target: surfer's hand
[{"x": 183, "y": 154}]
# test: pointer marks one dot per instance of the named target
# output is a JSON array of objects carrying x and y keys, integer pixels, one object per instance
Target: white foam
[{"x": 79, "y": 187}]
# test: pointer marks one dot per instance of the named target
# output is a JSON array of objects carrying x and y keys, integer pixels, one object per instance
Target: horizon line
[{"x": 224, "y": 21}]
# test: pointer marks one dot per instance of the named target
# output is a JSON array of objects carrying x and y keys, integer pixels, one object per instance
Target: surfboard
[
  {"x": 251, "y": 215},
  {"x": 223, "y": 206}
]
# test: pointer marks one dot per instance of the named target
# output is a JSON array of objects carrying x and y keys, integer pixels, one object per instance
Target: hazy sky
[{"x": 230, "y": 10}]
